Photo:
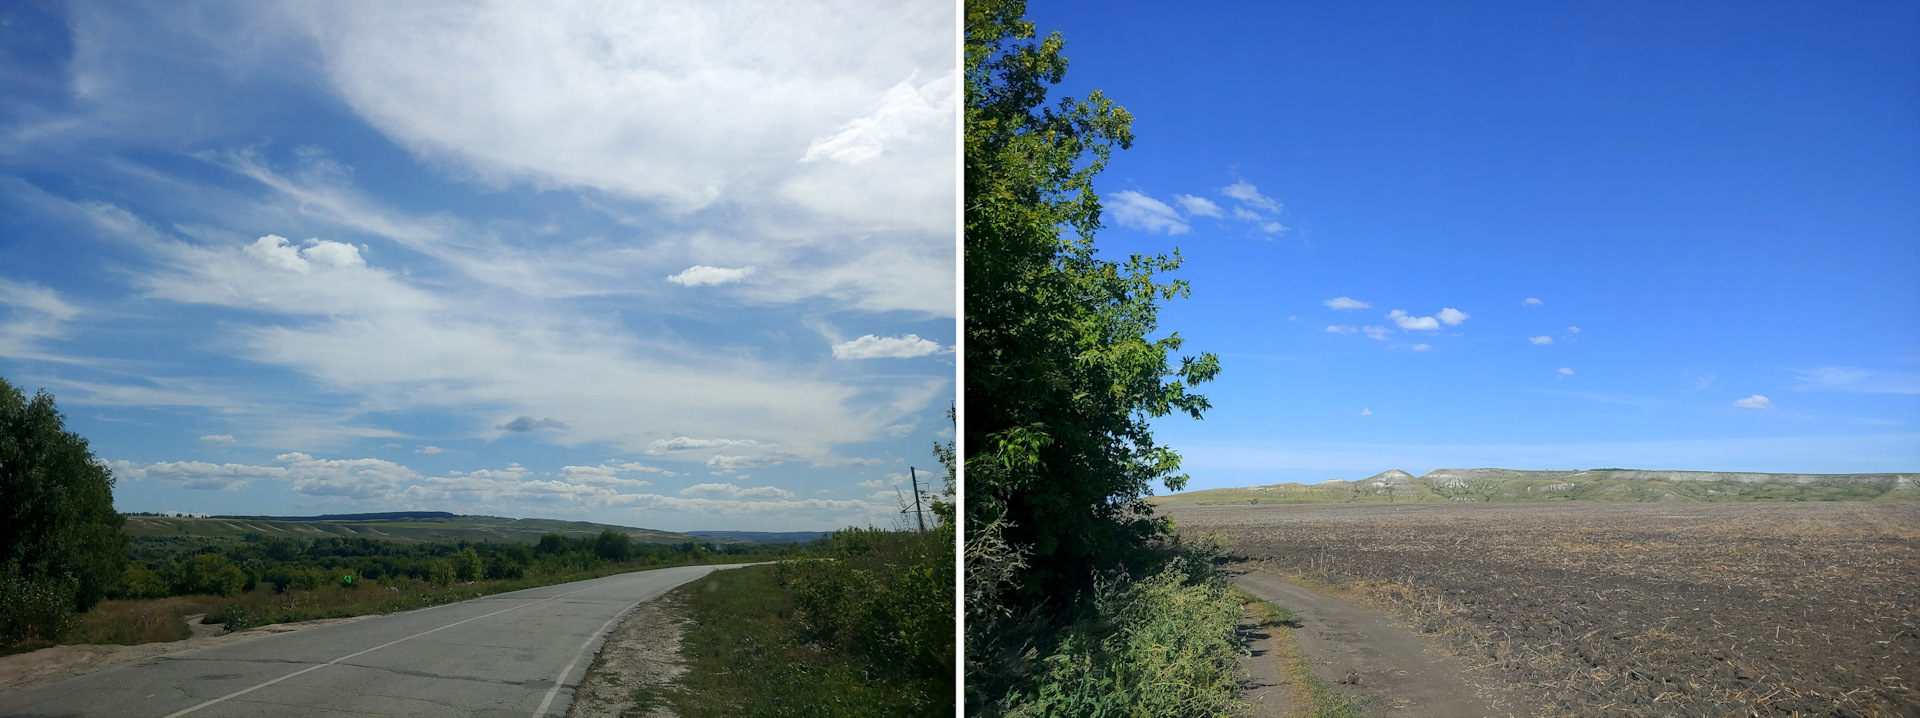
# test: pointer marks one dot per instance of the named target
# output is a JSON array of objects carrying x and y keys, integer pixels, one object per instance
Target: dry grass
[{"x": 137, "y": 621}]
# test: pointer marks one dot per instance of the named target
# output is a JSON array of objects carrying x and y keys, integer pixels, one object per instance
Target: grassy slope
[
  {"x": 1519, "y": 490},
  {"x": 468, "y": 528}
]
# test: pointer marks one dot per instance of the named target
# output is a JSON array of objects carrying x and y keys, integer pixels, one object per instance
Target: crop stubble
[{"x": 1629, "y": 609}]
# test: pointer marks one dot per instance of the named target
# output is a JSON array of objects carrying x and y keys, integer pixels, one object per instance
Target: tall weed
[{"x": 1161, "y": 646}]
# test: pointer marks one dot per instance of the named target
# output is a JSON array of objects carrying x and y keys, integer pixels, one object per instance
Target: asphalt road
[{"x": 512, "y": 654}]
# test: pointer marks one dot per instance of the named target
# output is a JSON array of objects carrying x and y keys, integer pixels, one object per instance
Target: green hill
[
  {"x": 441, "y": 528},
  {"x": 1619, "y": 485}
]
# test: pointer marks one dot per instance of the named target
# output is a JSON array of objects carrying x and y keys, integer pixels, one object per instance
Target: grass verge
[
  {"x": 745, "y": 658},
  {"x": 1313, "y": 698}
]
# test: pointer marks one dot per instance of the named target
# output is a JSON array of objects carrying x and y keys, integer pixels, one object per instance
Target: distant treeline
[{"x": 160, "y": 568}]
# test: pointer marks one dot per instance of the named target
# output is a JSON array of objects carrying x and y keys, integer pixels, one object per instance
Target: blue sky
[
  {"x": 675, "y": 266},
  {"x": 1528, "y": 235}
]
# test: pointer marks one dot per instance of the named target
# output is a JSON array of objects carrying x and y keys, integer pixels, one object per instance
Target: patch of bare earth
[
  {"x": 637, "y": 665},
  {"x": 1268, "y": 690},
  {"x": 62, "y": 662},
  {"x": 1653, "y": 610}
]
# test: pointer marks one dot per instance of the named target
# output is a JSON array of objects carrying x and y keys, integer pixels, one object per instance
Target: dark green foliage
[
  {"x": 35, "y": 609},
  {"x": 1062, "y": 377},
  {"x": 613, "y": 546},
  {"x": 57, "y": 522},
  {"x": 162, "y": 568}
]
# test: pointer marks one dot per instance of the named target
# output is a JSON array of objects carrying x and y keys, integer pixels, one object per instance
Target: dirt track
[
  {"x": 1630, "y": 610},
  {"x": 1367, "y": 657}
]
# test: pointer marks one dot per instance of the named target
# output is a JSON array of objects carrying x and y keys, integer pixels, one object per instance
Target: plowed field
[{"x": 1629, "y": 610}]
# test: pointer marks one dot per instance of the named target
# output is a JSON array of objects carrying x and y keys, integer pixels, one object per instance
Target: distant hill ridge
[
  {"x": 1525, "y": 485},
  {"x": 405, "y": 526},
  {"x": 385, "y": 516}
]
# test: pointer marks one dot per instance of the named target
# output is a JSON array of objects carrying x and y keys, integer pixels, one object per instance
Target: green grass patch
[
  {"x": 1268, "y": 613},
  {"x": 746, "y": 658}
]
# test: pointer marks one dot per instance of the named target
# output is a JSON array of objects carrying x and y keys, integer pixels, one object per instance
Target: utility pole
[{"x": 916, "y": 499}]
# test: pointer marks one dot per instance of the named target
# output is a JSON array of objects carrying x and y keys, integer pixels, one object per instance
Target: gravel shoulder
[{"x": 637, "y": 664}]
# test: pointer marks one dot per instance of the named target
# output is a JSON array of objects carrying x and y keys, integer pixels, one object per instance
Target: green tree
[
  {"x": 57, "y": 521},
  {"x": 466, "y": 564},
  {"x": 1062, "y": 373}
]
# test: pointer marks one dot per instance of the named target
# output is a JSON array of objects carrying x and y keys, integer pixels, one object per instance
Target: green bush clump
[
  {"x": 884, "y": 595},
  {"x": 35, "y": 609},
  {"x": 1161, "y": 646}
]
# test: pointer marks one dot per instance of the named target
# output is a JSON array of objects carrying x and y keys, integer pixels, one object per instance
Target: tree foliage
[
  {"x": 1063, "y": 376},
  {"x": 57, "y": 521}
]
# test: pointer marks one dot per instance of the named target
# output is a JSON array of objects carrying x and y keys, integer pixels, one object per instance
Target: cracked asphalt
[{"x": 510, "y": 654}]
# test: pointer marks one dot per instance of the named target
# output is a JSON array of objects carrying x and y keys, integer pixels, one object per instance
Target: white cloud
[
  {"x": 523, "y": 424},
  {"x": 1401, "y": 318},
  {"x": 429, "y": 450},
  {"x": 1341, "y": 329},
  {"x": 1533, "y": 302},
  {"x": 1422, "y": 347},
  {"x": 1273, "y": 227},
  {"x": 686, "y": 443},
  {"x": 1452, "y": 317},
  {"x": 872, "y": 484},
  {"x": 899, "y": 430},
  {"x": 1542, "y": 339},
  {"x": 701, "y": 275},
  {"x": 1575, "y": 330},
  {"x": 1366, "y": 412},
  {"x": 1754, "y": 402},
  {"x": 1197, "y": 206},
  {"x": 730, "y": 491},
  {"x": 218, "y": 438},
  {"x": 1857, "y": 380},
  {"x": 356, "y": 479},
  {"x": 1347, "y": 303},
  {"x": 37, "y": 313},
  {"x": 273, "y": 251},
  {"x": 905, "y": 110},
  {"x": 1132, "y": 209},
  {"x": 276, "y": 252},
  {"x": 734, "y": 462},
  {"x": 1375, "y": 332},
  {"x": 874, "y": 347},
  {"x": 1250, "y": 196},
  {"x": 1565, "y": 371}
]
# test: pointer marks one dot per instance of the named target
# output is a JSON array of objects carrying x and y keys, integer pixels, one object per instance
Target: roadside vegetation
[
  {"x": 863, "y": 628},
  {"x": 861, "y": 625},
  {"x": 1079, "y": 600}
]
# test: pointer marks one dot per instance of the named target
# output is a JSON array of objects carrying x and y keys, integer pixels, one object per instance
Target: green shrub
[
  {"x": 210, "y": 573},
  {"x": 1163, "y": 646},
  {"x": 466, "y": 565},
  {"x": 35, "y": 609},
  {"x": 143, "y": 582},
  {"x": 440, "y": 572}
]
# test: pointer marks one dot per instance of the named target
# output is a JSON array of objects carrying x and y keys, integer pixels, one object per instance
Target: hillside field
[
  {"x": 1610, "y": 485},
  {"x": 454, "y": 529}
]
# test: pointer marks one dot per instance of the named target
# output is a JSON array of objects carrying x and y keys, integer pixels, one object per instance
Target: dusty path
[
  {"x": 1267, "y": 689},
  {"x": 1396, "y": 675}
]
